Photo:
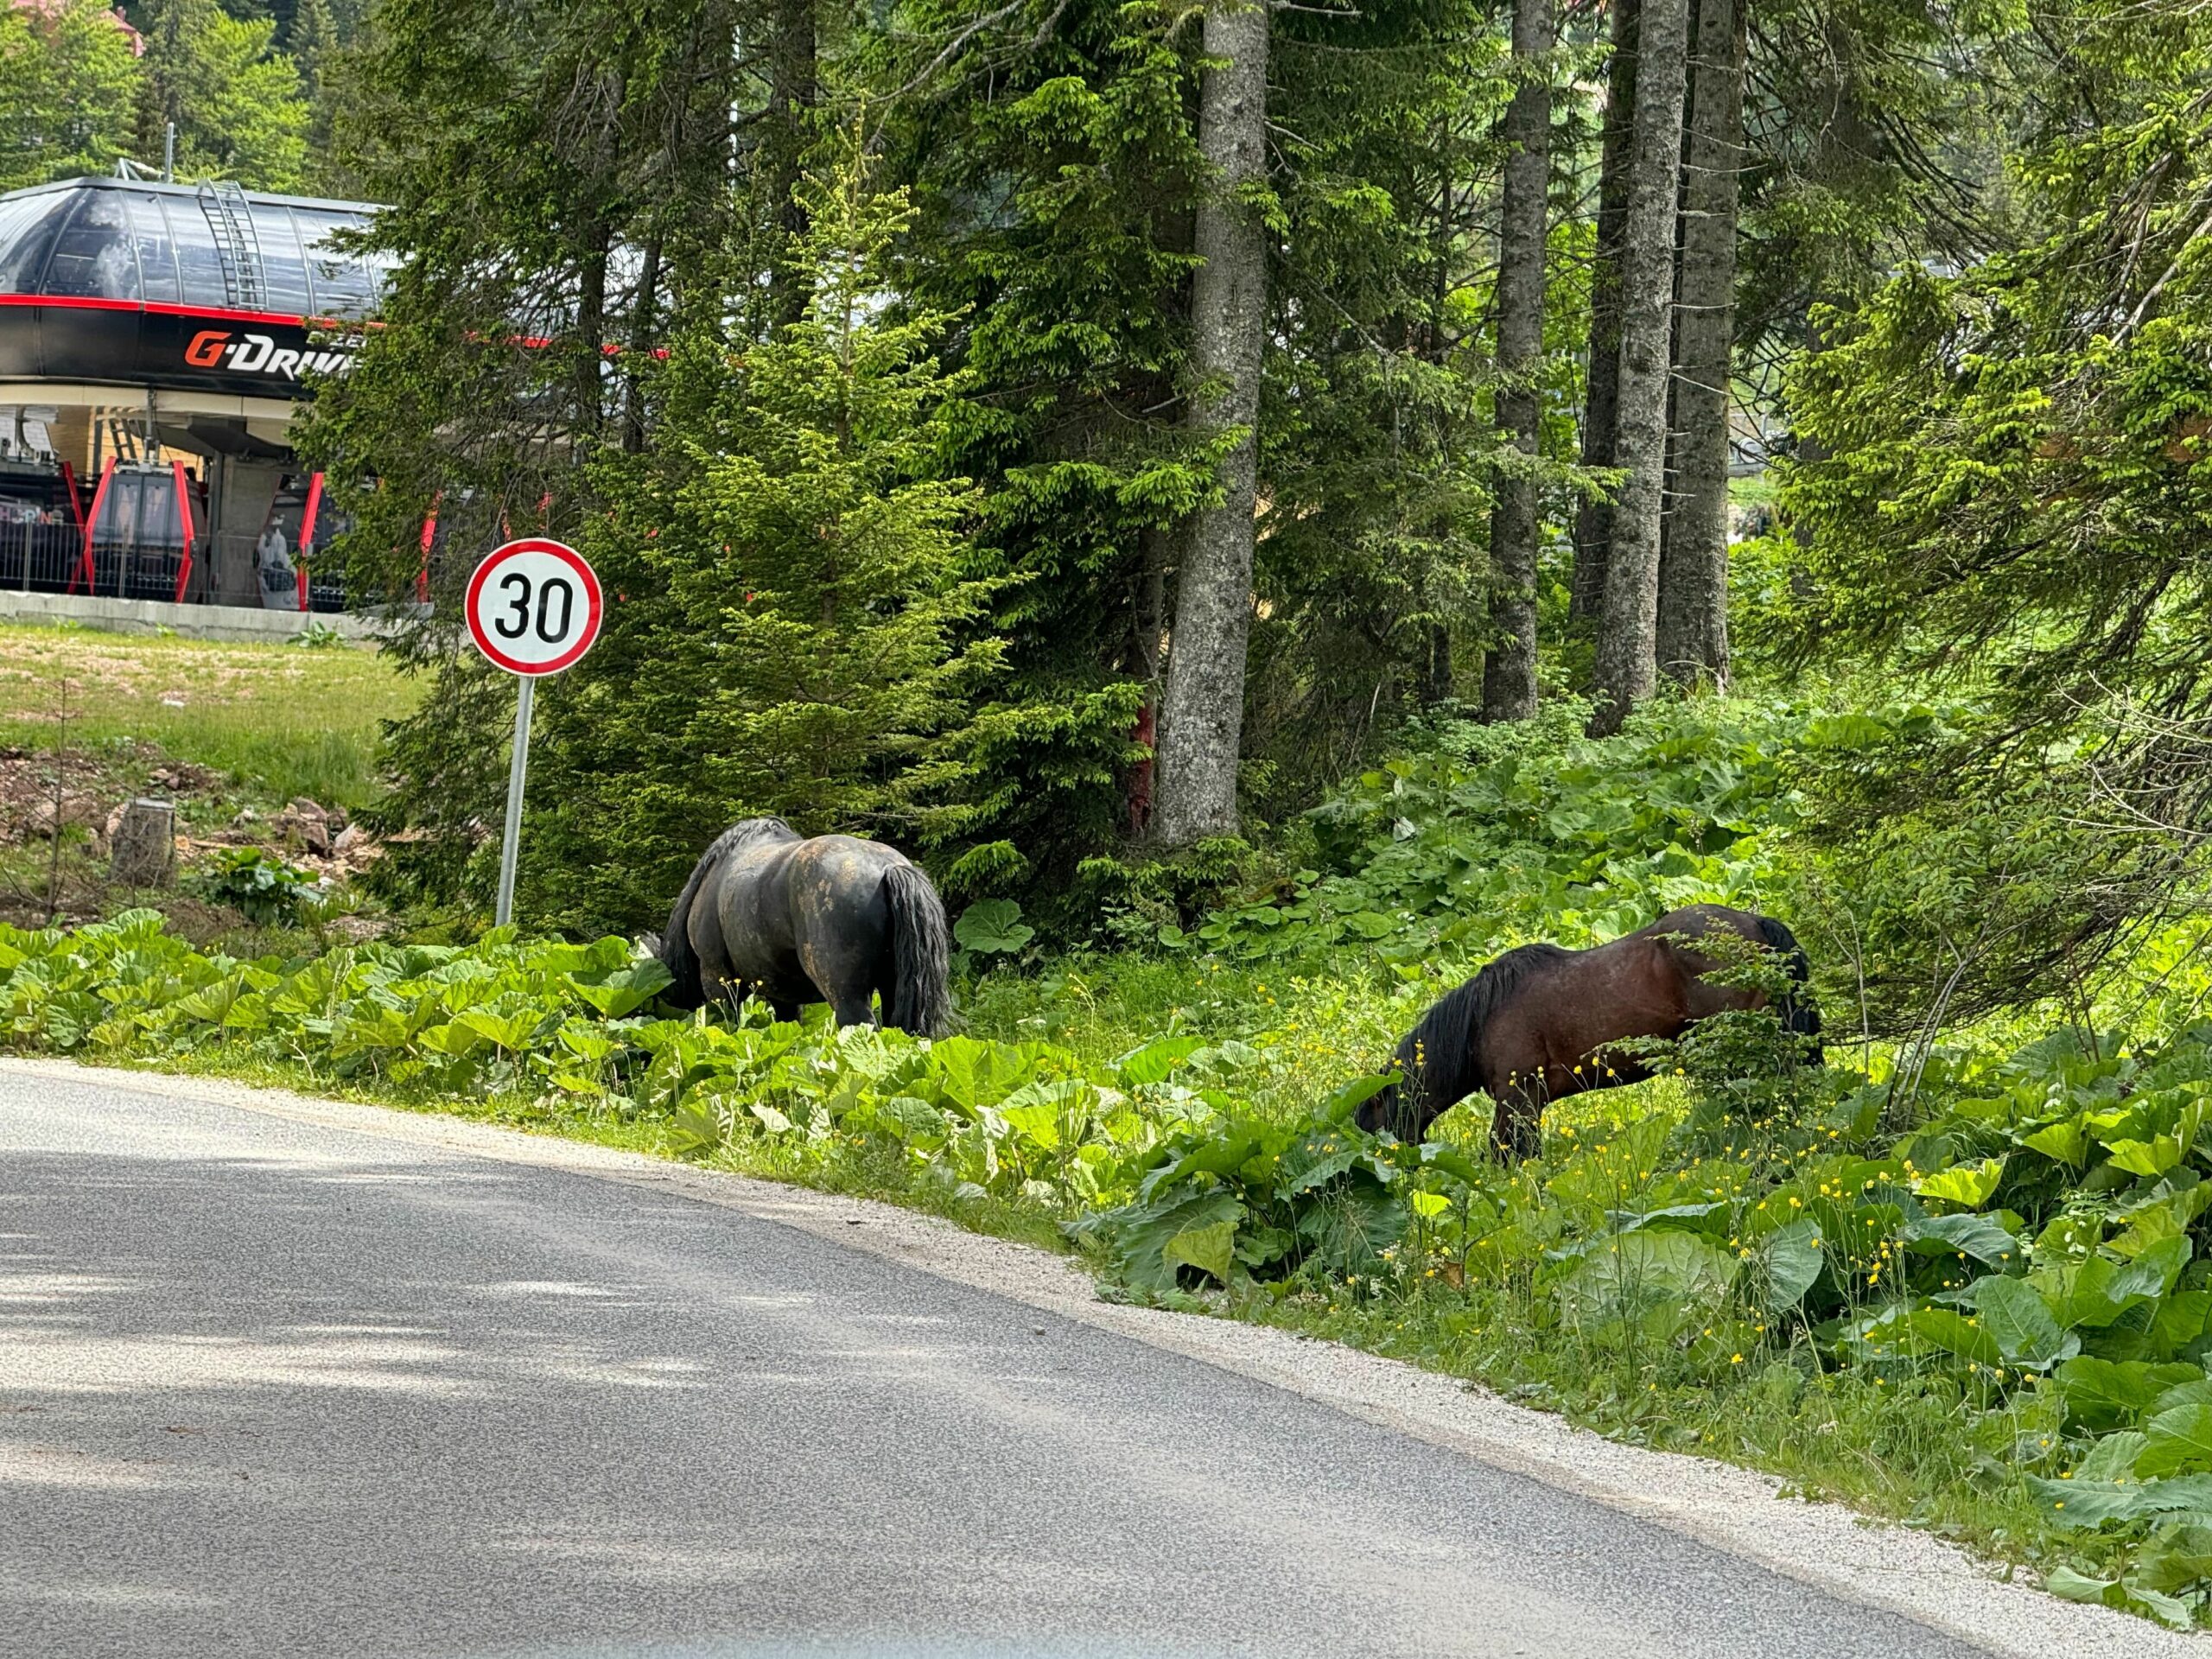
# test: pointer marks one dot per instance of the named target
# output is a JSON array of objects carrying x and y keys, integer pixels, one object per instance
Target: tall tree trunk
[
  {"x": 1148, "y": 624},
  {"x": 1436, "y": 679},
  {"x": 1593, "y": 522},
  {"x": 1509, "y": 675},
  {"x": 1694, "y": 556},
  {"x": 1628, "y": 624},
  {"x": 642, "y": 322},
  {"x": 1203, "y": 715},
  {"x": 590, "y": 385},
  {"x": 793, "y": 92}
]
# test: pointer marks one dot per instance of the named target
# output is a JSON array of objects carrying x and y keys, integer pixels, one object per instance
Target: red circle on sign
[{"x": 514, "y": 558}]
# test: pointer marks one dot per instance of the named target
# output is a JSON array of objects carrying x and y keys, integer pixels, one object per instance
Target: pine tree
[
  {"x": 804, "y": 643},
  {"x": 235, "y": 100},
  {"x": 68, "y": 92}
]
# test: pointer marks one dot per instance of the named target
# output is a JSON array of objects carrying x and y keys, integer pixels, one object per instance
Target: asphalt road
[{"x": 272, "y": 1387}]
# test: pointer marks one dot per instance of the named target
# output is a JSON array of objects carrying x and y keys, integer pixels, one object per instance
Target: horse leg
[{"x": 1516, "y": 1126}]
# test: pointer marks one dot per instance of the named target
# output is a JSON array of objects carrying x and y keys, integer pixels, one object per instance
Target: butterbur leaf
[
  {"x": 2065, "y": 1142},
  {"x": 2152, "y": 1157},
  {"x": 1208, "y": 1249},
  {"x": 2181, "y": 1325},
  {"x": 1340, "y": 1106},
  {"x": 2167, "y": 1610},
  {"x": 1789, "y": 1262},
  {"x": 2177, "y": 1441},
  {"x": 2176, "y": 1563},
  {"x": 618, "y": 991},
  {"x": 1619, "y": 1277},
  {"x": 1152, "y": 1063},
  {"x": 2101, "y": 1395},
  {"x": 1711, "y": 1219},
  {"x": 1953, "y": 1333},
  {"x": 1969, "y": 1235},
  {"x": 992, "y": 927},
  {"x": 2021, "y": 1325},
  {"x": 1967, "y": 1185},
  {"x": 2132, "y": 1592},
  {"x": 2065, "y": 1583},
  {"x": 1141, "y": 1232},
  {"x": 2114, "y": 1457},
  {"x": 2084, "y": 1503},
  {"x": 2152, "y": 1273}
]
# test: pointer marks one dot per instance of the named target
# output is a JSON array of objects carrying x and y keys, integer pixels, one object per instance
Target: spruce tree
[
  {"x": 235, "y": 100},
  {"x": 802, "y": 641},
  {"x": 69, "y": 85},
  {"x": 1691, "y": 641}
]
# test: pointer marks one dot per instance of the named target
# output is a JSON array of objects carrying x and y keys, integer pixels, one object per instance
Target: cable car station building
[{"x": 155, "y": 341}]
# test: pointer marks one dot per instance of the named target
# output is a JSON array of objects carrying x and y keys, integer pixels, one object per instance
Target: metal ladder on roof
[{"x": 229, "y": 216}]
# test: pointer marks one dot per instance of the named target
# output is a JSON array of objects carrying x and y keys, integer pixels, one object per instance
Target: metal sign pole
[{"x": 511, "y": 840}]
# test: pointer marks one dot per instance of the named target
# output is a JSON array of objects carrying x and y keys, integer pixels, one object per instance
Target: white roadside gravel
[{"x": 1746, "y": 1514}]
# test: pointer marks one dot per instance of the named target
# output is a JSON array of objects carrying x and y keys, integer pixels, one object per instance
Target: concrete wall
[{"x": 237, "y": 624}]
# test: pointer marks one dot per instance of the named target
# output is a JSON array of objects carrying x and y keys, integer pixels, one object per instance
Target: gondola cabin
[{"x": 155, "y": 342}]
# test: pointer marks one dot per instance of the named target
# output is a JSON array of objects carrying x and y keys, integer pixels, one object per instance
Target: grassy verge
[{"x": 1204, "y": 1168}]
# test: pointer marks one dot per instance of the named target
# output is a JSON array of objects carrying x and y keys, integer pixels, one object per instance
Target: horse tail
[
  {"x": 921, "y": 1000},
  {"x": 674, "y": 945},
  {"x": 1800, "y": 1014}
]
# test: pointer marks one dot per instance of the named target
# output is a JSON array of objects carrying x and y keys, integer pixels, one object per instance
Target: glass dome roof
[{"x": 212, "y": 247}]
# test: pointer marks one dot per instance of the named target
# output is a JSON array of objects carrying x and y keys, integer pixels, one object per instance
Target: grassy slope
[{"x": 282, "y": 719}]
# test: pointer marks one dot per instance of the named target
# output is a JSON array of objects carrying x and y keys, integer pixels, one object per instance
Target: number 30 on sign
[
  {"x": 534, "y": 606},
  {"x": 533, "y": 609}
]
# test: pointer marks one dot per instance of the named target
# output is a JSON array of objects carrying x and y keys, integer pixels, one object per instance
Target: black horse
[
  {"x": 1536, "y": 1025},
  {"x": 830, "y": 920}
]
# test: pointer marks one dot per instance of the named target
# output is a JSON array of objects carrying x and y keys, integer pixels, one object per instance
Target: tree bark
[
  {"x": 1593, "y": 522},
  {"x": 643, "y": 322},
  {"x": 793, "y": 90},
  {"x": 144, "y": 848},
  {"x": 1203, "y": 714},
  {"x": 1628, "y": 624},
  {"x": 1693, "y": 645},
  {"x": 1509, "y": 675},
  {"x": 1436, "y": 684}
]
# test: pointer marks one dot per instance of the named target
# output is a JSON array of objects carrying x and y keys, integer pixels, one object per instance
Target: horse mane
[
  {"x": 1441, "y": 1056},
  {"x": 673, "y": 944},
  {"x": 745, "y": 832}
]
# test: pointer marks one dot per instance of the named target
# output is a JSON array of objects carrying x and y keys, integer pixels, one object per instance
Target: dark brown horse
[{"x": 1538, "y": 1023}]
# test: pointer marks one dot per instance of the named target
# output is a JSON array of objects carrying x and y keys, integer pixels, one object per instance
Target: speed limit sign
[{"x": 533, "y": 608}]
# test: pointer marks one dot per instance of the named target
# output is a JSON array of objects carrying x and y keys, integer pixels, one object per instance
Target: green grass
[{"x": 279, "y": 719}]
